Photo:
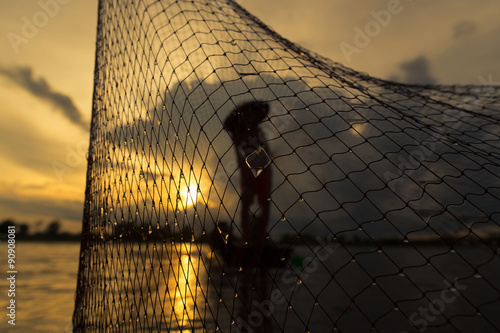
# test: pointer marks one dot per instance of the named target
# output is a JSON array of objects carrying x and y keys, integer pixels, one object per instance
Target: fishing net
[{"x": 238, "y": 182}]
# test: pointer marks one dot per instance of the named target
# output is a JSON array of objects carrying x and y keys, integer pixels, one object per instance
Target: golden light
[
  {"x": 189, "y": 195},
  {"x": 185, "y": 290}
]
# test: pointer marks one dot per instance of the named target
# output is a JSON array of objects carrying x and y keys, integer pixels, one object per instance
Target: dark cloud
[
  {"x": 417, "y": 71},
  {"x": 39, "y": 87},
  {"x": 464, "y": 28},
  {"x": 25, "y": 146},
  {"x": 43, "y": 208}
]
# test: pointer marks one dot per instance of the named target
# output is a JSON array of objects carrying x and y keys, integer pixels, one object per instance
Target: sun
[{"x": 189, "y": 195}]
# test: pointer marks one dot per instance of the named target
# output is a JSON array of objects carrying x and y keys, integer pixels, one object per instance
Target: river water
[
  {"x": 45, "y": 286},
  {"x": 359, "y": 290}
]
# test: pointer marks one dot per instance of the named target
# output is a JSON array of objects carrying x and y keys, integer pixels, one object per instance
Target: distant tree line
[{"x": 52, "y": 232}]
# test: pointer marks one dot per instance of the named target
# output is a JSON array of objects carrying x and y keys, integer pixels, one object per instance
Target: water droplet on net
[{"x": 258, "y": 161}]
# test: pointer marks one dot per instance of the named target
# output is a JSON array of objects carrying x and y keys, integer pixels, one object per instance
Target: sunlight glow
[{"x": 189, "y": 196}]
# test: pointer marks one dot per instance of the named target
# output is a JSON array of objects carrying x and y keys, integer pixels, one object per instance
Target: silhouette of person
[{"x": 256, "y": 178}]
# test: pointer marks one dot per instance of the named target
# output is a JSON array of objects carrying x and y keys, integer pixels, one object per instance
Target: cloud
[
  {"x": 417, "y": 71},
  {"x": 39, "y": 87},
  {"x": 464, "y": 28},
  {"x": 39, "y": 208}
]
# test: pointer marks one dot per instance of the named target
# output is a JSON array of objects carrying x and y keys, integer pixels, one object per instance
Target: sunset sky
[{"x": 46, "y": 76}]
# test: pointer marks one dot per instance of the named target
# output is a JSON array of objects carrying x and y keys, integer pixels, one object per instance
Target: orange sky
[{"x": 43, "y": 141}]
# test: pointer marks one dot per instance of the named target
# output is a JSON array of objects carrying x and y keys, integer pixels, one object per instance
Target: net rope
[{"x": 238, "y": 182}]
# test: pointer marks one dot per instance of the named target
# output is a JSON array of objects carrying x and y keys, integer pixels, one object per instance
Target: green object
[{"x": 298, "y": 261}]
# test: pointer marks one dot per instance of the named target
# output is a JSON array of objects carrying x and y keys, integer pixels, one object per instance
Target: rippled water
[
  {"x": 45, "y": 286},
  {"x": 46, "y": 282}
]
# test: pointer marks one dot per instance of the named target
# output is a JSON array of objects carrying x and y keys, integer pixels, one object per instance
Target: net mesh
[{"x": 238, "y": 182}]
